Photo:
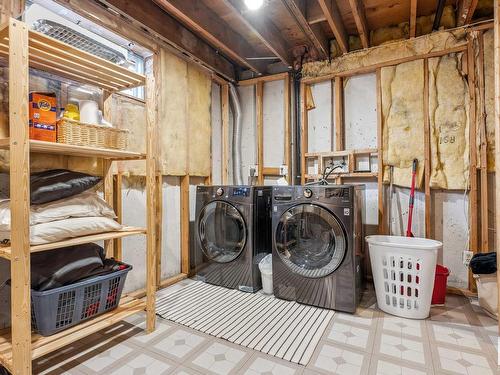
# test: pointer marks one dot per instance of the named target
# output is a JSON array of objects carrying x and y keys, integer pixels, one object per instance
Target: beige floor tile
[
  {"x": 183, "y": 370},
  {"x": 220, "y": 358},
  {"x": 384, "y": 366},
  {"x": 462, "y": 337},
  {"x": 352, "y": 335},
  {"x": 403, "y": 327},
  {"x": 179, "y": 343},
  {"x": 452, "y": 361},
  {"x": 401, "y": 348},
  {"x": 144, "y": 363},
  {"x": 336, "y": 359},
  {"x": 261, "y": 364}
]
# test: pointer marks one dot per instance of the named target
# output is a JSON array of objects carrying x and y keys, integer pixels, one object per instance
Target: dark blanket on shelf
[{"x": 59, "y": 267}]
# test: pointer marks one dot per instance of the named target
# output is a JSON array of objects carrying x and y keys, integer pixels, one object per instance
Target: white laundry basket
[{"x": 403, "y": 272}]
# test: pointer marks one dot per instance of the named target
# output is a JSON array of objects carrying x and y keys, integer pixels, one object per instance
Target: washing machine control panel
[
  {"x": 241, "y": 192},
  {"x": 336, "y": 193}
]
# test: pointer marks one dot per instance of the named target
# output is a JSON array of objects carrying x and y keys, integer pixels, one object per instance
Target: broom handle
[{"x": 412, "y": 198}]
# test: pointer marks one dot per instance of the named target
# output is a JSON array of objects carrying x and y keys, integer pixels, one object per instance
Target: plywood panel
[{"x": 199, "y": 122}]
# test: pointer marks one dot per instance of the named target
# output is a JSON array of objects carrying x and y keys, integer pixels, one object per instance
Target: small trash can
[
  {"x": 487, "y": 293},
  {"x": 440, "y": 285},
  {"x": 266, "y": 272}
]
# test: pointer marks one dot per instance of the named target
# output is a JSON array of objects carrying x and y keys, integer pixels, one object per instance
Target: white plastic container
[
  {"x": 403, "y": 272},
  {"x": 266, "y": 273},
  {"x": 487, "y": 292}
]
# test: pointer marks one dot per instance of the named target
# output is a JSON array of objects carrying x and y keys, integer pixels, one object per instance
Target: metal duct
[{"x": 236, "y": 108}]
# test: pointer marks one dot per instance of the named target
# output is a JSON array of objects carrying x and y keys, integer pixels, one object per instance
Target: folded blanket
[{"x": 484, "y": 263}]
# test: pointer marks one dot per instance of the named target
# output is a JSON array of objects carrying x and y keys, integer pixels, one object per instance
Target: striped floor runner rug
[{"x": 284, "y": 329}]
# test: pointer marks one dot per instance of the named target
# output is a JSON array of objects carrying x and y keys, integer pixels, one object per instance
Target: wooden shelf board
[
  {"x": 72, "y": 150},
  {"x": 5, "y": 251},
  {"x": 52, "y": 56},
  {"x": 45, "y": 345},
  {"x": 344, "y": 175}
]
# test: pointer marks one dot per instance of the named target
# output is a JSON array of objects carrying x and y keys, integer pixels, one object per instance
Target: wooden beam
[
  {"x": 473, "y": 193},
  {"x": 427, "y": 153},
  {"x": 204, "y": 21},
  {"x": 338, "y": 97},
  {"x": 332, "y": 14},
  {"x": 483, "y": 146},
  {"x": 288, "y": 136},
  {"x": 259, "y": 107},
  {"x": 263, "y": 28},
  {"x": 465, "y": 11},
  {"x": 358, "y": 12},
  {"x": 413, "y": 18},
  {"x": 380, "y": 179},
  {"x": 497, "y": 136},
  {"x": 313, "y": 33},
  {"x": 153, "y": 84},
  {"x": 20, "y": 198},
  {"x": 314, "y": 13},
  {"x": 171, "y": 32},
  {"x": 185, "y": 265},
  {"x": 304, "y": 128},
  {"x": 117, "y": 205}
]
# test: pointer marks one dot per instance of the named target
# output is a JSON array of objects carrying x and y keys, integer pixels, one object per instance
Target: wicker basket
[{"x": 79, "y": 134}]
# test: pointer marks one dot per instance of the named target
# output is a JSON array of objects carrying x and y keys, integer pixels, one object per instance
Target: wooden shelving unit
[{"x": 24, "y": 48}]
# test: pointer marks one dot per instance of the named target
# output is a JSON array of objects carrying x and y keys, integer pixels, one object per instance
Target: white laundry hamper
[{"x": 403, "y": 272}]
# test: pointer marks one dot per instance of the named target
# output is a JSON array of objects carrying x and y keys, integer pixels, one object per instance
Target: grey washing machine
[
  {"x": 318, "y": 244},
  {"x": 232, "y": 234}
]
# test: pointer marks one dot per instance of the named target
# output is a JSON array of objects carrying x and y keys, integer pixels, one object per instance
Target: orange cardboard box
[{"x": 43, "y": 116}]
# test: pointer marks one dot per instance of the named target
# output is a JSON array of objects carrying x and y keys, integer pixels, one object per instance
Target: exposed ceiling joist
[
  {"x": 200, "y": 18},
  {"x": 358, "y": 12},
  {"x": 150, "y": 17},
  {"x": 263, "y": 28},
  {"x": 413, "y": 18},
  {"x": 332, "y": 14},
  {"x": 314, "y": 33},
  {"x": 314, "y": 14},
  {"x": 465, "y": 11}
]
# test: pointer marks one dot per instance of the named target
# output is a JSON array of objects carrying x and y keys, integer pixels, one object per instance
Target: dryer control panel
[{"x": 328, "y": 194}]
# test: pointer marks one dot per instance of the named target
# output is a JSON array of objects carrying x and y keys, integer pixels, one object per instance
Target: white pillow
[
  {"x": 69, "y": 228},
  {"x": 85, "y": 204}
]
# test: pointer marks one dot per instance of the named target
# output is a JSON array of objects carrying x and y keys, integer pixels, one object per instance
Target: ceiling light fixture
[{"x": 254, "y": 4}]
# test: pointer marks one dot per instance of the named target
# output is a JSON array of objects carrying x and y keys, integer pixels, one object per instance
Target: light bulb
[{"x": 254, "y": 4}]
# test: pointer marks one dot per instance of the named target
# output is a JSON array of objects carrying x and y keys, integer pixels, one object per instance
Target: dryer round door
[
  {"x": 222, "y": 232},
  {"x": 310, "y": 240}
]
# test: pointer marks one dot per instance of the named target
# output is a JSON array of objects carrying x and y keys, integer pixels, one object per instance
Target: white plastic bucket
[
  {"x": 403, "y": 273},
  {"x": 487, "y": 293},
  {"x": 266, "y": 273}
]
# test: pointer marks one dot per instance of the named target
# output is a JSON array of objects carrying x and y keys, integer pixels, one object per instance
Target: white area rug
[{"x": 284, "y": 329}]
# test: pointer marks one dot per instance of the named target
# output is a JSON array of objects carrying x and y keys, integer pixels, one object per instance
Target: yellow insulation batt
[
  {"x": 449, "y": 123},
  {"x": 403, "y": 120}
]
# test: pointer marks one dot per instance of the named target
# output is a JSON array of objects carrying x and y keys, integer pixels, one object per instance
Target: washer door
[
  {"x": 222, "y": 232},
  {"x": 310, "y": 240}
]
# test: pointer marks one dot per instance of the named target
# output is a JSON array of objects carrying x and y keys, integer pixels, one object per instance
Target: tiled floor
[{"x": 457, "y": 339}]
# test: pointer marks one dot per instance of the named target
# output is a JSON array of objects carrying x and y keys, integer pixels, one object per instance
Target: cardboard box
[{"x": 43, "y": 116}]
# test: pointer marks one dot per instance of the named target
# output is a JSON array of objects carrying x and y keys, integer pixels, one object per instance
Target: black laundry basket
[{"x": 60, "y": 308}]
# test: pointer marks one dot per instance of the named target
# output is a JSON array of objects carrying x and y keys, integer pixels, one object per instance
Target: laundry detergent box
[{"x": 43, "y": 116}]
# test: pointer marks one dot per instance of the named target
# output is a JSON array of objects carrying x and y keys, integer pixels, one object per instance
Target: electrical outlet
[
  {"x": 283, "y": 170},
  {"x": 466, "y": 257},
  {"x": 253, "y": 171}
]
